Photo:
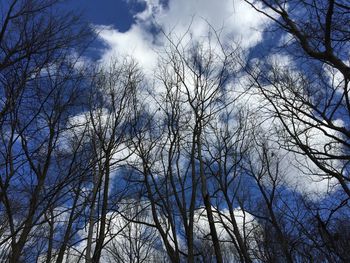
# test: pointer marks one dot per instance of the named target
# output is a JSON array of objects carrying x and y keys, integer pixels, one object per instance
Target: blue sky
[{"x": 119, "y": 13}]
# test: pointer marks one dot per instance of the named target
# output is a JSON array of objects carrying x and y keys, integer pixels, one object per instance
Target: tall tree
[{"x": 38, "y": 85}]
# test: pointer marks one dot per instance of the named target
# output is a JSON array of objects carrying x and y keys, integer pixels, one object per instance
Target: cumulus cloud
[
  {"x": 182, "y": 19},
  {"x": 137, "y": 43},
  {"x": 246, "y": 224}
]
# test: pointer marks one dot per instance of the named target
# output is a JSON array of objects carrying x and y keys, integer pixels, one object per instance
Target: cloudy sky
[{"x": 139, "y": 29}]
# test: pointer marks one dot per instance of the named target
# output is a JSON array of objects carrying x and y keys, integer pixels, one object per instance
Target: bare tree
[
  {"x": 109, "y": 119},
  {"x": 97, "y": 164},
  {"x": 134, "y": 242},
  {"x": 314, "y": 99},
  {"x": 38, "y": 85},
  {"x": 226, "y": 150},
  {"x": 34, "y": 155},
  {"x": 320, "y": 28},
  {"x": 173, "y": 156}
]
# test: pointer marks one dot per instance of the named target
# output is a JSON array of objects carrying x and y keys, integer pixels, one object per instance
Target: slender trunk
[
  {"x": 102, "y": 232},
  {"x": 67, "y": 233},
  {"x": 275, "y": 225},
  {"x": 207, "y": 202},
  {"x": 242, "y": 247},
  {"x": 50, "y": 244},
  {"x": 18, "y": 246},
  {"x": 173, "y": 255},
  {"x": 91, "y": 217},
  {"x": 189, "y": 233}
]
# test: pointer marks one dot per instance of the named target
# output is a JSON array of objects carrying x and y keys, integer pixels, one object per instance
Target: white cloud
[
  {"x": 246, "y": 224},
  {"x": 183, "y": 19},
  {"x": 136, "y": 43}
]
